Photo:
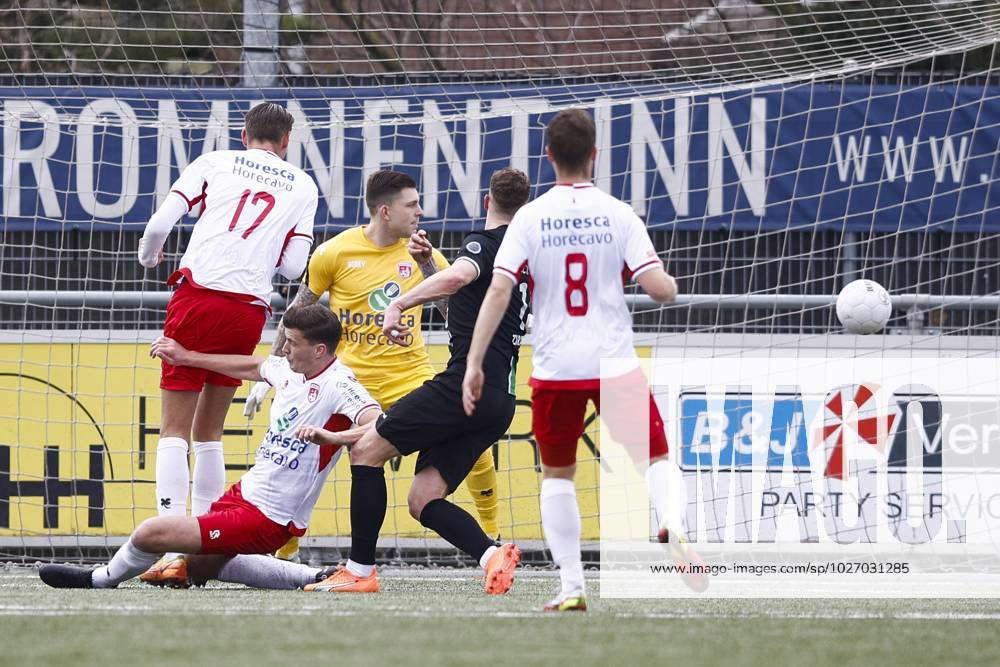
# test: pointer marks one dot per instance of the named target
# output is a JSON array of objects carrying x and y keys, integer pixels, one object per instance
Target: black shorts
[{"x": 430, "y": 419}]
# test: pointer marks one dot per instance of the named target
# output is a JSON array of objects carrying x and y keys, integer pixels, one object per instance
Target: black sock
[
  {"x": 455, "y": 525},
  {"x": 368, "y": 501}
]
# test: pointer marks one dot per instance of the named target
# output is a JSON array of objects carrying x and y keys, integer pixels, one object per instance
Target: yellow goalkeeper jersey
[{"x": 362, "y": 279}]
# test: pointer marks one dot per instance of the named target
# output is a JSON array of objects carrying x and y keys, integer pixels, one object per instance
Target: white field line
[
  {"x": 103, "y": 604},
  {"x": 325, "y": 611},
  {"x": 398, "y": 575}
]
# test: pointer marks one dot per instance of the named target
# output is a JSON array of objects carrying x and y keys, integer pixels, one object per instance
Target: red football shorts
[
  {"x": 557, "y": 415},
  {"x": 207, "y": 321},
  {"x": 234, "y": 526}
]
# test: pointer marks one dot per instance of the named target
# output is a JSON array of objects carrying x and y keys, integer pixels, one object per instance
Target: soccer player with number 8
[
  {"x": 256, "y": 218},
  {"x": 577, "y": 244}
]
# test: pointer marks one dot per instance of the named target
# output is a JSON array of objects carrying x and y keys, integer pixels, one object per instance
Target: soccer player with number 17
[
  {"x": 256, "y": 218},
  {"x": 577, "y": 243}
]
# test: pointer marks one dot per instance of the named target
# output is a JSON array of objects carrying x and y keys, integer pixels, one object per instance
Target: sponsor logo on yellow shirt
[
  {"x": 352, "y": 321},
  {"x": 379, "y": 299}
]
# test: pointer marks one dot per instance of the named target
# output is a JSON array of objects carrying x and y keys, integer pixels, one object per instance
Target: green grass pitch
[{"x": 441, "y": 617}]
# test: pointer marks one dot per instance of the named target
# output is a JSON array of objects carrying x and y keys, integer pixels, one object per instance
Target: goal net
[{"x": 776, "y": 150}]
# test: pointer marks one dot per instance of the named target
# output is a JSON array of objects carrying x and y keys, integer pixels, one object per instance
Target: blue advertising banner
[{"x": 860, "y": 158}]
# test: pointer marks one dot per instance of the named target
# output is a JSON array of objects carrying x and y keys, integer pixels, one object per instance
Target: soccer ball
[{"x": 863, "y": 307}]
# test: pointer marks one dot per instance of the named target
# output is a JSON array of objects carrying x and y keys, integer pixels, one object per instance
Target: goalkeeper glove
[{"x": 256, "y": 398}]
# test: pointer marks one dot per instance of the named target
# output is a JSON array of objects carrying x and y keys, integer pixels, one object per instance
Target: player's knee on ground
[
  {"x": 151, "y": 536},
  {"x": 203, "y": 567}
]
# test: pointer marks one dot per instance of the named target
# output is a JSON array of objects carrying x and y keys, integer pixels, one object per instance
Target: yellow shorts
[{"x": 391, "y": 390}]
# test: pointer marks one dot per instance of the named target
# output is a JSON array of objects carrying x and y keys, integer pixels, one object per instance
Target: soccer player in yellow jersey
[{"x": 364, "y": 269}]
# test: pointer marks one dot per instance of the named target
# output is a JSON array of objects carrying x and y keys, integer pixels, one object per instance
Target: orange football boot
[
  {"x": 692, "y": 566},
  {"x": 342, "y": 581},
  {"x": 500, "y": 569},
  {"x": 169, "y": 572}
]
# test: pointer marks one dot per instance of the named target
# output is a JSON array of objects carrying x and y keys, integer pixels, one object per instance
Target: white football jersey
[
  {"x": 288, "y": 474},
  {"x": 253, "y": 204},
  {"x": 576, "y": 242}
]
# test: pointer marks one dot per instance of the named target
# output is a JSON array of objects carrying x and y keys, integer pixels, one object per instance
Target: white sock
[
  {"x": 171, "y": 477},
  {"x": 486, "y": 556},
  {"x": 127, "y": 562},
  {"x": 209, "y": 480},
  {"x": 267, "y": 572},
  {"x": 359, "y": 570},
  {"x": 561, "y": 523},
  {"x": 668, "y": 493}
]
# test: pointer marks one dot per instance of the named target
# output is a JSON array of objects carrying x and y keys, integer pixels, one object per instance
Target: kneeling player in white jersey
[
  {"x": 577, "y": 243},
  {"x": 274, "y": 500},
  {"x": 256, "y": 218}
]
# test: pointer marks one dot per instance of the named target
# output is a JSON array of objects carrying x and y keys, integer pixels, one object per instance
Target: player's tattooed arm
[
  {"x": 304, "y": 297},
  {"x": 423, "y": 252}
]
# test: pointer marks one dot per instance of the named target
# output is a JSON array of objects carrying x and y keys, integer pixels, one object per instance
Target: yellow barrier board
[{"x": 78, "y": 431}]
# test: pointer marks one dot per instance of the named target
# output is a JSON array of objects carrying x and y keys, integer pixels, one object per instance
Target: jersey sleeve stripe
[
  {"x": 642, "y": 268},
  {"x": 506, "y": 273},
  {"x": 466, "y": 259},
  {"x": 183, "y": 196},
  {"x": 362, "y": 410},
  {"x": 197, "y": 200},
  {"x": 288, "y": 239}
]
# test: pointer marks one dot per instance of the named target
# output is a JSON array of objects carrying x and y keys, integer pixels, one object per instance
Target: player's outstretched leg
[
  {"x": 667, "y": 491},
  {"x": 127, "y": 562},
  {"x": 66, "y": 576},
  {"x": 428, "y": 505},
  {"x": 665, "y": 482},
  {"x": 255, "y": 571},
  {"x": 482, "y": 486},
  {"x": 153, "y": 538},
  {"x": 633, "y": 418}
]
